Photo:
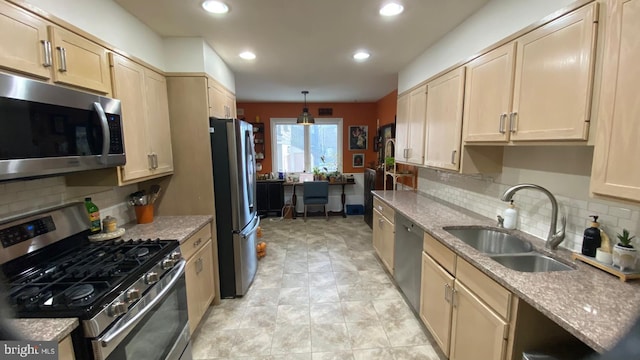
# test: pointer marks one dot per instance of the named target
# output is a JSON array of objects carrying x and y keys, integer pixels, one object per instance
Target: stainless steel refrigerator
[{"x": 237, "y": 220}]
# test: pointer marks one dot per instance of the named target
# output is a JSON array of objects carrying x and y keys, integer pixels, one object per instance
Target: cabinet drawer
[
  {"x": 195, "y": 242},
  {"x": 492, "y": 293},
  {"x": 440, "y": 253},
  {"x": 384, "y": 209}
]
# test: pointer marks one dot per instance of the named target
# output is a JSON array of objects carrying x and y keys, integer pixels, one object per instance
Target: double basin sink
[{"x": 508, "y": 250}]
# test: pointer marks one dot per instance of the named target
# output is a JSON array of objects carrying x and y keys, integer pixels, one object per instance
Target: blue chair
[{"x": 316, "y": 193}]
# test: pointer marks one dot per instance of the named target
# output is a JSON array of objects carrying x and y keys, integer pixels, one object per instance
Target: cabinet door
[
  {"x": 80, "y": 62},
  {"x": 402, "y": 127},
  {"x": 616, "y": 146},
  {"x": 387, "y": 243},
  {"x": 487, "y": 96},
  {"x": 128, "y": 86},
  {"x": 23, "y": 40},
  {"x": 476, "y": 331},
  {"x": 553, "y": 81},
  {"x": 217, "y": 99},
  {"x": 65, "y": 349},
  {"x": 200, "y": 287},
  {"x": 378, "y": 229},
  {"x": 444, "y": 120},
  {"x": 435, "y": 301},
  {"x": 158, "y": 126},
  {"x": 231, "y": 105},
  {"x": 415, "y": 132}
]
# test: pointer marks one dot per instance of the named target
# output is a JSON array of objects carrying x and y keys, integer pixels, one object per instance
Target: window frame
[{"x": 307, "y": 153}]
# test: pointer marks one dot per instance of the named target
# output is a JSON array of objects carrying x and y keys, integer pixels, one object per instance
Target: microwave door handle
[
  {"x": 106, "y": 136},
  {"x": 124, "y": 329}
]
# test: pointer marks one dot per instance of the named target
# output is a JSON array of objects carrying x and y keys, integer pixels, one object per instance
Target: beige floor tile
[
  {"x": 293, "y": 296},
  {"x": 322, "y": 279},
  {"x": 288, "y": 338},
  {"x": 295, "y": 280},
  {"x": 425, "y": 352},
  {"x": 323, "y": 294},
  {"x": 212, "y": 344},
  {"x": 329, "y": 337},
  {"x": 259, "y": 317},
  {"x": 326, "y": 313},
  {"x": 293, "y": 314},
  {"x": 367, "y": 335},
  {"x": 392, "y": 309},
  {"x": 320, "y": 266},
  {"x": 347, "y": 277},
  {"x": 356, "y": 311},
  {"x": 263, "y": 297},
  {"x": 341, "y": 355},
  {"x": 405, "y": 332},
  {"x": 373, "y": 354},
  {"x": 251, "y": 342},
  {"x": 295, "y": 266}
]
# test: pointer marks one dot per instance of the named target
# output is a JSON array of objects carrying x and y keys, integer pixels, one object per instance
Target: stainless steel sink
[
  {"x": 530, "y": 262},
  {"x": 490, "y": 241}
]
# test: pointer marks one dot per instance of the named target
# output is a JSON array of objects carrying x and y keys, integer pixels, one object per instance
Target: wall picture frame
[
  {"x": 358, "y": 137},
  {"x": 358, "y": 160}
]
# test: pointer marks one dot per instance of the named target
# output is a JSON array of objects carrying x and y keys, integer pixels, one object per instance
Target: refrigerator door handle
[
  {"x": 250, "y": 169},
  {"x": 248, "y": 232}
]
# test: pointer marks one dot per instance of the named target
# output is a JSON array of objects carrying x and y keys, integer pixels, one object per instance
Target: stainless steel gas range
[{"x": 129, "y": 295}]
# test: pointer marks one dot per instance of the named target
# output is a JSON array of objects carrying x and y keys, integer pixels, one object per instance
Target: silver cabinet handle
[
  {"x": 447, "y": 293},
  {"x": 512, "y": 122},
  {"x": 150, "y": 159},
  {"x": 63, "y": 59},
  {"x": 503, "y": 117},
  {"x": 406, "y": 153},
  {"x": 453, "y": 156},
  {"x": 454, "y": 298},
  {"x": 155, "y": 161},
  {"x": 197, "y": 242},
  {"x": 46, "y": 45},
  {"x": 199, "y": 265},
  {"x": 380, "y": 208}
]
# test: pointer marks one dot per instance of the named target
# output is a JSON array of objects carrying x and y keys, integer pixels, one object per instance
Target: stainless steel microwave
[{"x": 48, "y": 130}]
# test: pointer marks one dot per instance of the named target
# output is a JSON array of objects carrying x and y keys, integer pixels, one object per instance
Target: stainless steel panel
[
  {"x": 242, "y": 172},
  {"x": 407, "y": 259},
  {"x": 245, "y": 256}
]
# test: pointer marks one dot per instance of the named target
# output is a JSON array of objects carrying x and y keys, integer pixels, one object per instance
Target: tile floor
[{"x": 320, "y": 293}]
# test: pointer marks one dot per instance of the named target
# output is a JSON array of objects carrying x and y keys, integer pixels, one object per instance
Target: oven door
[{"x": 156, "y": 328}]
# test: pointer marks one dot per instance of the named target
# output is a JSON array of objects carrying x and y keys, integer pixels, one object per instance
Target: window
[{"x": 298, "y": 148}]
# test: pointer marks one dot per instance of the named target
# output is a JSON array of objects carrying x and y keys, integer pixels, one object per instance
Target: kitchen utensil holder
[{"x": 144, "y": 213}]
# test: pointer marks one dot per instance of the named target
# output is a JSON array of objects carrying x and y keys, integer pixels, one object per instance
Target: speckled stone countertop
[
  {"x": 167, "y": 227},
  {"x": 45, "y": 329},
  {"x": 592, "y": 305},
  {"x": 164, "y": 227}
]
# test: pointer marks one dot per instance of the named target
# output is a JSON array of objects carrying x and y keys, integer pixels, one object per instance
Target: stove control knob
[
  {"x": 133, "y": 295},
  {"x": 175, "y": 256},
  {"x": 117, "y": 309},
  {"x": 168, "y": 264},
  {"x": 151, "y": 278}
]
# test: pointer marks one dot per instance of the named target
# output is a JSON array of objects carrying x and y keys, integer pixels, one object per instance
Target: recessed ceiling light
[
  {"x": 361, "y": 56},
  {"x": 247, "y": 55},
  {"x": 215, "y": 7},
  {"x": 391, "y": 9}
]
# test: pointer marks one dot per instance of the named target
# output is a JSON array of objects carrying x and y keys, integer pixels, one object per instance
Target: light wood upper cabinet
[
  {"x": 79, "y": 62},
  {"x": 222, "y": 103},
  {"x": 553, "y": 79},
  {"x": 435, "y": 301},
  {"x": 616, "y": 146},
  {"x": 488, "y": 95},
  {"x": 410, "y": 126},
  {"x": 444, "y": 120},
  {"x": 24, "y": 43},
  {"x": 477, "y": 332},
  {"x": 145, "y": 119}
]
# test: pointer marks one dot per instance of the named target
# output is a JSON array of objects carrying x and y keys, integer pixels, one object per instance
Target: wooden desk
[{"x": 343, "y": 197}]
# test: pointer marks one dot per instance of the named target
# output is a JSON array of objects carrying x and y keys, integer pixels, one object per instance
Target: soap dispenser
[
  {"x": 591, "y": 239},
  {"x": 510, "y": 216}
]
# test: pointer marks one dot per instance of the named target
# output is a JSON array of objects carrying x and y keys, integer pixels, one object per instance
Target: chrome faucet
[{"x": 554, "y": 238}]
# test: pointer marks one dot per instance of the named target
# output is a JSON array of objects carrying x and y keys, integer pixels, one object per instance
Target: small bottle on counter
[
  {"x": 591, "y": 239},
  {"x": 510, "y": 216},
  {"x": 94, "y": 215}
]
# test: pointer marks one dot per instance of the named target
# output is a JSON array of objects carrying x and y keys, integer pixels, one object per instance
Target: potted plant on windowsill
[{"x": 624, "y": 253}]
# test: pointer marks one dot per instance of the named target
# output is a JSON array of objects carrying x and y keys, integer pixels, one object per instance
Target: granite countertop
[
  {"x": 167, "y": 227},
  {"x": 164, "y": 227},
  {"x": 594, "y": 306},
  {"x": 45, "y": 329}
]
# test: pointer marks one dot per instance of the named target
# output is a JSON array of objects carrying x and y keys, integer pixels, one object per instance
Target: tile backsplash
[
  {"x": 22, "y": 196},
  {"x": 481, "y": 194}
]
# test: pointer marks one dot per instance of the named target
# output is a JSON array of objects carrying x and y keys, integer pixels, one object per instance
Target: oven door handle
[
  {"x": 124, "y": 329},
  {"x": 106, "y": 135}
]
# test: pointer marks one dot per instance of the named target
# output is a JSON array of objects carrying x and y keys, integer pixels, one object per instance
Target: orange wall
[{"x": 352, "y": 114}]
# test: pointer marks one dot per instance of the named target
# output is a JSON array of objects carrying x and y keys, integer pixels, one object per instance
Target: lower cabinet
[
  {"x": 384, "y": 233},
  {"x": 65, "y": 349},
  {"x": 468, "y": 314},
  {"x": 198, "y": 251}
]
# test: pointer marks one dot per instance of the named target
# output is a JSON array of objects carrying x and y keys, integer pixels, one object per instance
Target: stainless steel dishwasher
[{"x": 408, "y": 259}]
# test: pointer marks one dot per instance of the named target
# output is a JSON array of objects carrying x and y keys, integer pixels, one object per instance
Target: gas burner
[
  {"x": 28, "y": 295},
  {"x": 79, "y": 292},
  {"x": 142, "y": 252}
]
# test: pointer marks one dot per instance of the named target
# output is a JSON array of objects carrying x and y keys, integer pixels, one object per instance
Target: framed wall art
[
  {"x": 358, "y": 137},
  {"x": 358, "y": 160}
]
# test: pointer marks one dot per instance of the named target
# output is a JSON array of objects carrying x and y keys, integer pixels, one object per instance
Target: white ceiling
[{"x": 308, "y": 44}]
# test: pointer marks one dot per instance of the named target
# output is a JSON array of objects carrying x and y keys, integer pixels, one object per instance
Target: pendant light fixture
[{"x": 305, "y": 118}]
